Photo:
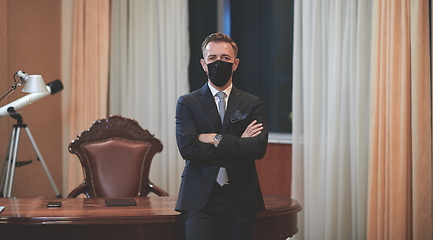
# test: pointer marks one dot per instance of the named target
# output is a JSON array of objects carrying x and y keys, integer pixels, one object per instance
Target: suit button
[{"x": 215, "y": 170}]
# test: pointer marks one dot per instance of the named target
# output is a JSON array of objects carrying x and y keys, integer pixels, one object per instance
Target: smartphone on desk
[{"x": 54, "y": 204}]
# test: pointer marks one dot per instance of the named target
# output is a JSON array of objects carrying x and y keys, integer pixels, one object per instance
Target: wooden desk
[{"x": 153, "y": 218}]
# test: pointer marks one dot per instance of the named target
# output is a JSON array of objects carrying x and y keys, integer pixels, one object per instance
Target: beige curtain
[
  {"x": 149, "y": 71},
  {"x": 89, "y": 77},
  {"x": 400, "y": 187},
  {"x": 331, "y": 72}
]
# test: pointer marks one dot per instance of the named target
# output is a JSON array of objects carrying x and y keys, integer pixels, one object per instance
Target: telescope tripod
[{"x": 7, "y": 177}]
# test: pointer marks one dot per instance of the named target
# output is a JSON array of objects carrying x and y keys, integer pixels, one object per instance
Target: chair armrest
[
  {"x": 81, "y": 189},
  {"x": 157, "y": 190}
]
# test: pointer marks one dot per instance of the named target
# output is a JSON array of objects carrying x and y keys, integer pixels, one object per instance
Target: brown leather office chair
[{"x": 115, "y": 154}]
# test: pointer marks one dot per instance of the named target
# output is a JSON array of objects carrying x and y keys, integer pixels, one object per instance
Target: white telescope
[{"x": 52, "y": 87}]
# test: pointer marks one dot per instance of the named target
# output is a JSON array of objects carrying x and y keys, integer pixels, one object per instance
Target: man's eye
[{"x": 226, "y": 58}]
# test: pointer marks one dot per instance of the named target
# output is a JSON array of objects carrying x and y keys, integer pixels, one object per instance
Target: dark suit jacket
[{"x": 197, "y": 113}]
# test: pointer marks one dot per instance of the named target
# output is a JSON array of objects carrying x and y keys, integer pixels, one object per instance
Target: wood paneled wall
[
  {"x": 275, "y": 170},
  {"x": 30, "y": 40}
]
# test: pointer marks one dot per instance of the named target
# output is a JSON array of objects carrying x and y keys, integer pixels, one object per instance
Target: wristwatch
[{"x": 217, "y": 139}]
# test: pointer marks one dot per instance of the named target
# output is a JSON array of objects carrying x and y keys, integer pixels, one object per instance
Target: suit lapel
[
  {"x": 234, "y": 103},
  {"x": 208, "y": 102}
]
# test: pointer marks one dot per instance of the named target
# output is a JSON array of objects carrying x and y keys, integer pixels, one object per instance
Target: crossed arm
[
  {"x": 197, "y": 144},
  {"x": 252, "y": 130}
]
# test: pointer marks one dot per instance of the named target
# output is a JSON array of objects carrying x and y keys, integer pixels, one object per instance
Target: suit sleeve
[
  {"x": 187, "y": 133},
  {"x": 236, "y": 148}
]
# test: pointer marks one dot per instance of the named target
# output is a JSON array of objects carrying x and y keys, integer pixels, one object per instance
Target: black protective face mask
[{"x": 219, "y": 72}]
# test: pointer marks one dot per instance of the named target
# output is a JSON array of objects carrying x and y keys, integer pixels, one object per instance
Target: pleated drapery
[
  {"x": 362, "y": 119},
  {"x": 331, "y": 70},
  {"x": 400, "y": 158},
  {"x": 149, "y": 71},
  {"x": 89, "y": 75}
]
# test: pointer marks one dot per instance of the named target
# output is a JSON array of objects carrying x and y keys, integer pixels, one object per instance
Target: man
[{"x": 220, "y": 135}]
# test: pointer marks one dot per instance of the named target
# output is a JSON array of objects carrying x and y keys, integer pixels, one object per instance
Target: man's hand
[
  {"x": 207, "y": 137},
  {"x": 253, "y": 129}
]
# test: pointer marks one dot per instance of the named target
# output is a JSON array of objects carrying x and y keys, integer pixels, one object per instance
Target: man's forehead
[{"x": 219, "y": 48}]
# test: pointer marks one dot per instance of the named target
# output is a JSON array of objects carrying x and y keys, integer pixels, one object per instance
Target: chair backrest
[{"x": 116, "y": 154}]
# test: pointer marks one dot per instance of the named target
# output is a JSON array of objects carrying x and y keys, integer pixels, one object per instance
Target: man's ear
[
  {"x": 203, "y": 65},
  {"x": 236, "y": 64}
]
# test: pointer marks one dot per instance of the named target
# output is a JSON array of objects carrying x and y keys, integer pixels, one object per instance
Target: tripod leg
[
  {"x": 10, "y": 171},
  {"x": 3, "y": 176},
  {"x": 6, "y": 165},
  {"x": 4, "y": 169},
  {"x": 47, "y": 172}
]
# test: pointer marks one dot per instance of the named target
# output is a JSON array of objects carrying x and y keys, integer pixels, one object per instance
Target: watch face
[{"x": 218, "y": 137}]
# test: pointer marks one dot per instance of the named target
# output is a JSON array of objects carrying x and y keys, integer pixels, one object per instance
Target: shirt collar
[{"x": 227, "y": 90}]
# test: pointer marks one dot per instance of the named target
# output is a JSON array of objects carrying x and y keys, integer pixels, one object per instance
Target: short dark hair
[{"x": 219, "y": 37}]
